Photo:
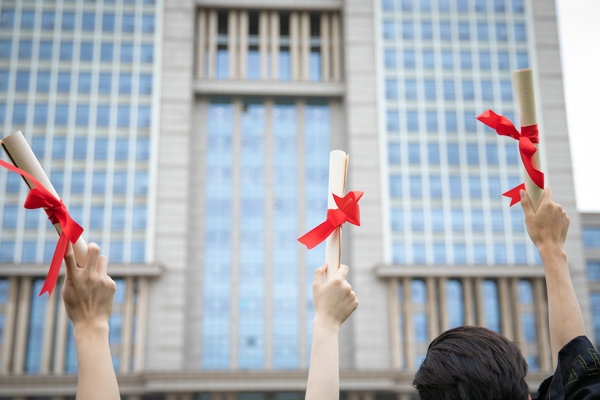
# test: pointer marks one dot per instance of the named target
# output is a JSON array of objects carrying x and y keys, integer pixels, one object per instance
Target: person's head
[{"x": 472, "y": 363}]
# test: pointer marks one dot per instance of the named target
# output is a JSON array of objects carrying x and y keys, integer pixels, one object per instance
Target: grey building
[{"x": 191, "y": 139}]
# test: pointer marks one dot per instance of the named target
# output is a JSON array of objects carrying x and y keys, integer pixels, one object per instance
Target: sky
[{"x": 579, "y": 32}]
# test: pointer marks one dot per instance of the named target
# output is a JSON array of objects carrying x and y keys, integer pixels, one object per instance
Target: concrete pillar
[
  {"x": 49, "y": 321},
  {"x": 304, "y": 45},
  {"x": 336, "y": 47},
  {"x": 506, "y": 318},
  {"x": 394, "y": 324},
  {"x": 232, "y": 39},
  {"x": 274, "y": 48},
  {"x": 60, "y": 341},
  {"x": 9, "y": 325},
  {"x": 467, "y": 284},
  {"x": 263, "y": 46},
  {"x": 23, "y": 311},
  {"x": 295, "y": 45},
  {"x": 432, "y": 306},
  {"x": 140, "y": 329},
  {"x": 325, "y": 47},
  {"x": 541, "y": 323},
  {"x": 201, "y": 25},
  {"x": 212, "y": 43},
  {"x": 409, "y": 339},
  {"x": 243, "y": 45},
  {"x": 125, "y": 365}
]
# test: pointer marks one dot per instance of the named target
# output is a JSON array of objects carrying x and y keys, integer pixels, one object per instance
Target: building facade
[{"x": 191, "y": 140}]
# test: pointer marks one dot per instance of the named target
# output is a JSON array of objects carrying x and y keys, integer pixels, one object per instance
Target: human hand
[
  {"x": 88, "y": 291},
  {"x": 548, "y": 226},
  {"x": 335, "y": 300}
]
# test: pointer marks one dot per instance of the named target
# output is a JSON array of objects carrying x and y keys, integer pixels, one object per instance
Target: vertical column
[
  {"x": 274, "y": 48},
  {"x": 212, "y": 43},
  {"x": 127, "y": 326},
  {"x": 232, "y": 40},
  {"x": 541, "y": 323},
  {"x": 60, "y": 342},
  {"x": 505, "y": 309},
  {"x": 336, "y": 47},
  {"x": 467, "y": 284},
  {"x": 325, "y": 48},
  {"x": 23, "y": 310},
  {"x": 479, "y": 301},
  {"x": 263, "y": 45},
  {"x": 201, "y": 21},
  {"x": 433, "y": 325},
  {"x": 515, "y": 312},
  {"x": 295, "y": 45},
  {"x": 408, "y": 327},
  {"x": 443, "y": 305},
  {"x": 9, "y": 325},
  {"x": 269, "y": 205},
  {"x": 140, "y": 329},
  {"x": 394, "y": 325},
  {"x": 48, "y": 333},
  {"x": 304, "y": 45},
  {"x": 303, "y": 317},
  {"x": 243, "y": 45}
]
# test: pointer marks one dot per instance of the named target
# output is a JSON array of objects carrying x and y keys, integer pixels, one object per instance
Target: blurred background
[{"x": 191, "y": 140}]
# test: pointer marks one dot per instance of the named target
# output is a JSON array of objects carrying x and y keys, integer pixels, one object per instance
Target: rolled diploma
[
  {"x": 338, "y": 163},
  {"x": 21, "y": 156},
  {"x": 523, "y": 84}
]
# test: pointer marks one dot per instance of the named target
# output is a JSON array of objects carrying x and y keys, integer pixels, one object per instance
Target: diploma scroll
[
  {"x": 338, "y": 166},
  {"x": 524, "y": 92},
  {"x": 21, "y": 156}
]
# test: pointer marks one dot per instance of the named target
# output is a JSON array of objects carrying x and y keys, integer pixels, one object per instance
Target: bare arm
[
  {"x": 88, "y": 295},
  {"x": 334, "y": 302},
  {"x": 548, "y": 229}
]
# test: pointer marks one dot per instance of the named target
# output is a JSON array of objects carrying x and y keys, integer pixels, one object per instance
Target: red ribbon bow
[
  {"x": 527, "y": 137},
  {"x": 347, "y": 210},
  {"x": 39, "y": 197}
]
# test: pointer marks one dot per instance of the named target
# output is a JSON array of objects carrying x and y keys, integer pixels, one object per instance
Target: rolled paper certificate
[
  {"x": 338, "y": 166},
  {"x": 523, "y": 85},
  {"x": 21, "y": 156}
]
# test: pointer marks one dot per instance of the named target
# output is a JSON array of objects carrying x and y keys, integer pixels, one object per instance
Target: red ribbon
[
  {"x": 527, "y": 137},
  {"x": 39, "y": 197},
  {"x": 347, "y": 210}
]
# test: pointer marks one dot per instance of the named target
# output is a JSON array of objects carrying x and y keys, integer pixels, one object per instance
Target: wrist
[
  {"x": 88, "y": 329},
  {"x": 326, "y": 323},
  {"x": 551, "y": 250}
]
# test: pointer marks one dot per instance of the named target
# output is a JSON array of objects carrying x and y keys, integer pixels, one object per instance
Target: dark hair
[{"x": 472, "y": 363}]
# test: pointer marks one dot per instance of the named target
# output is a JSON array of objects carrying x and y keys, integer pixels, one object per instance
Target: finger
[
  {"x": 70, "y": 262},
  {"x": 93, "y": 256},
  {"x": 342, "y": 272},
  {"x": 102, "y": 265},
  {"x": 526, "y": 204},
  {"x": 319, "y": 272},
  {"x": 548, "y": 193}
]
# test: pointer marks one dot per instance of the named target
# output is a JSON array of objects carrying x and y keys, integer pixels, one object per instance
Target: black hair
[{"x": 472, "y": 363}]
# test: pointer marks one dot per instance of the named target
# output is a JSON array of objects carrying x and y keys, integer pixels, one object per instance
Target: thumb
[
  {"x": 318, "y": 277},
  {"x": 71, "y": 264},
  {"x": 526, "y": 204}
]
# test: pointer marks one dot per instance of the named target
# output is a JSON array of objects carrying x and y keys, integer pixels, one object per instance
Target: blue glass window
[
  {"x": 106, "y": 52},
  {"x": 80, "y": 148},
  {"x": 485, "y": 61},
  {"x": 415, "y": 186},
  {"x": 506, "y": 90},
  {"x": 11, "y": 212},
  {"x": 460, "y": 253},
  {"x": 591, "y": 237},
  {"x": 123, "y": 115},
  {"x": 86, "y": 51},
  {"x": 395, "y": 186},
  {"x": 497, "y": 221},
  {"x": 128, "y": 24},
  {"x": 491, "y": 152},
  {"x": 7, "y": 19},
  {"x": 472, "y": 154},
  {"x": 88, "y": 21},
  {"x": 36, "y": 328},
  {"x": 101, "y": 148},
  {"x": 425, "y": 5},
  {"x": 142, "y": 149},
  {"x": 429, "y": 86},
  {"x": 458, "y": 220},
  {"x": 462, "y": 6},
  {"x": 125, "y": 83},
  {"x": 410, "y": 89},
  {"x": 147, "y": 53},
  {"x": 408, "y": 30},
  {"x": 465, "y": 60},
  {"x": 144, "y": 116},
  {"x": 392, "y": 121},
  {"x": 394, "y": 153},
  {"x": 435, "y": 186},
  {"x": 503, "y": 60},
  {"x": 388, "y": 5},
  {"x": 454, "y": 303},
  {"x": 455, "y": 187},
  {"x": 409, "y": 58},
  {"x": 449, "y": 89},
  {"x": 4, "y": 79},
  {"x": 45, "y": 52},
  {"x": 447, "y": 59},
  {"x": 398, "y": 253},
  {"x": 453, "y": 154},
  {"x": 5, "y": 48},
  {"x": 97, "y": 212},
  {"x": 40, "y": 114},
  {"x": 431, "y": 121},
  {"x": 487, "y": 90},
  {"x": 141, "y": 182},
  {"x": 520, "y": 253},
  {"x": 77, "y": 181},
  {"x": 451, "y": 122},
  {"x": 470, "y": 121},
  {"x": 518, "y": 6},
  {"x": 103, "y": 115},
  {"x": 419, "y": 254},
  {"x": 120, "y": 182},
  {"x": 480, "y": 5},
  {"x": 522, "y": 60},
  {"x": 439, "y": 253},
  {"x": 445, "y": 30},
  {"x": 494, "y": 187},
  {"x": 593, "y": 271},
  {"x": 27, "y": 19},
  {"x": 474, "y": 186},
  {"x": 426, "y": 30},
  {"x": 407, "y": 5},
  {"x": 414, "y": 153},
  {"x": 491, "y": 305},
  {"x": 25, "y": 49},
  {"x": 66, "y": 51},
  {"x": 48, "y": 20},
  {"x": 22, "y": 84},
  {"x": 499, "y": 6},
  {"x": 389, "y": 29},
  {"x": 126, "y": 52},
  {"x": 437, "y": 220},
  {"x": 391, "y": 89},
  {"x": 147, "y": 23},
  {"x": 43, "y": 81},
  {"x": 19, "y": 113},
  {"x": 7, "y": 248},
  {"x": 38, "y": 144},
  {"x": 468, "y": 90},
  {"x": 501, "y": 32},
  {"x": 433, "y": 153},
  {"x": 85, "y": 82},
  {"x": 117, "y": 218},
  {"x": 59, "y": 147},
  {"x": 64, "y": 82},
  {"x": 108, "y": 22},
  {"x": 68, "y": 21},
  {"x": 104, "y": 82},
  {"x": 2, "y": 113},
  {"x": 145, "y": 84},
  {"x": 390, "y": 59},
  {"x": 397, "y": 219},
  {"x": 464, "y": 31},
  {"x": 82, "y": 115},
  {"x": 61, "y": 116},
  {"x": 139, "y": 217},
  {"x": 499, "y": 253}
]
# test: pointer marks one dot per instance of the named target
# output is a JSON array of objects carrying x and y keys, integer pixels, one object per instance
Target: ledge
[
  {"x": 310, "y": 5},
  {"x": 268, "y": 88},
  {"x": 453, "y": 271},
  {"x": 114, "y": 270}
]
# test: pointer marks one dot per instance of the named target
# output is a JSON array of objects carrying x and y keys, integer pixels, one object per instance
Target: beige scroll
[
  {"x": 523, "y": 84},
  {"x": 21, "y": 156},
  {"x": 338, "y": 166}
]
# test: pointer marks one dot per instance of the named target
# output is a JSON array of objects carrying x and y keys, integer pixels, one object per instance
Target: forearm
[
  {"x": 323, "y": 374},
  {"x": 96, "y": 377},
  {"x": 564, "y": 315}
]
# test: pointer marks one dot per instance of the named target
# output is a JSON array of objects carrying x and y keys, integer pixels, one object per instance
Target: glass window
[
  {"x": 104, "y": 82},
  {"x": 101, "y": 148},
  {"x": 494, "y": 186},
  {"x": 11, "y": 213},
  {"x": 487, "y": 90},
  {"x": 38, "y": 144},
  {"x": 25, "y": 49},
  {"x": 454, "y": 303},
  {"x": 418, "y": 292},
  {"x": 97, "y": 212},
  {"x": 45, "y": 52},
  {"x": 64, "y": 82},
  {"x": 522, "y": 60},
  {"x": 464, "y": 31},
  {"x": 468, "y": 90},
  {"x": 68, "y": 21},
  {"x": 66, "y": 51},
  {"x": 477, "y": 224},
  {"x": 470, "y": 121},
  {"x": 398, "y": 253},
  {"x": 520, "y": 254},
  {"x": 433, "y": 153},
  {"x": 439, "y": 253},
  {"x": 394, "y": 153},
  {"x": 455, "y": 187},
  {"x": 447, "y": 59},
  {"x": 147, "y": 23},
  {"x": 2, "y": 113},
  {"x": 123, "y": 115},
  {"x": 27, "y": 19},
  {"x": 397, "y": 219},
  {"x": 108, "y": 22},
  {"x": 128, "y": 24},
  {"x": 22, "y": 84},
  {"x": 451, "y": 123},
  {"x": 19, "y": 113},
  {"x": 480, "y": 5},
  {"x": 591, "y": 237},
  {"x": 43, "y": 81},
  {"x": 7, "y": 248},
  {"x": 410, "y": 89},
  {"x": 482, "y": 32},
  {"x": 139, "y": 217},
  {"x": 501, "y": 32},
  {"x": 5, "y": 48},
  {"x": 88, "y": 21},
  {"x": 414, "y": 153},
  {"x": 499, "y": 6},
  {"x": 147, "y": 53},
  {"x": 103, "y": 115},
  {"x": 142, "y": 149},
  {"x": 125, "y": 83},
  {"x": 85, "y": 82},
  {"x": 77, "y": 181},
  {"x": 429, "y": 86},
  {"x": 425, "y": 5},
  {"x": 389, "y": 57},
  {"x": 82, "y": 115},
  {"x": 497, "y": 220},
  {"x": 445, "y": 30},
  {"x": 412, "y": 121},
  {"x": 472, "y": 154},
  {"x": 144, "y": 116},
  {"x": 79, "y": 148},
  {"x": 86, "y": 51},
  {"x": 462, "y": 6},
  {"x": 48, "y": 20},
  {"x": 437, "y": 220},
  {"x": 407, "y": 5},
  {"x": 120, "y": 182},
  {"x": 506, "y": 90},
  {"x": 474, "y": 186},
  {"x": 499, "y": 253},
  {"x": 395, "y": 186},
  {"x": 435, "y": 186},
  {"x": 503, "y": 60},
  {"x": 7, "y": 18},
  {"x": 415, "y": 186},
  {"x": 593, "y": 271},
  {"x": 389, "y": 29},
  {"x": 491, "y": 305},
  {"x": 126, "y": 52},
  {"x": 460, "y": 253},
  {"x": 409, "y": 58},
  {"x": 37, "y": 312},
  {"x": 448, "y": 85},
  {"x": 388, "y": 5},
  {"x": 426, "y": 30},
  {"x": 106, "y": 52},
  {"x": 431, "y": 121},
  {"x": 138, "y": 249},
  {"x": 428, "y": 59},
  {"x": 458, "y": 220},
  {"x": 40, "y": 114},
  {"x": 408, "y": 30},
  {"x": 145, "y": 84},
  {"x": 392, "y": 120},
  {"x": 485, "y": 62},
  {"x": 453, "y": 154},
  {"x": 491, "y": 152},
  {"x": 391, "y": 89},
  {"x": 141, "y": 182},
  {"x": 4, "y": 79}
]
